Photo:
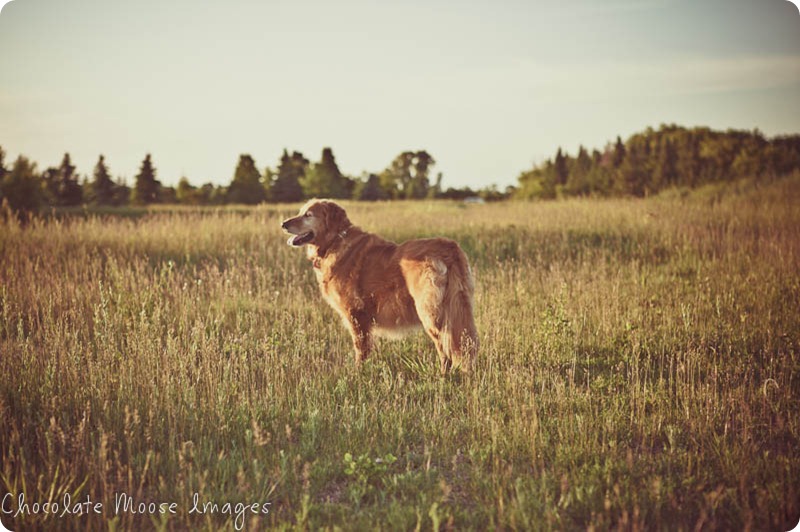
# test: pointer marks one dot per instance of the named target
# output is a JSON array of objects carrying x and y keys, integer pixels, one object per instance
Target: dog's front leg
[{"x": 361, "y": 332}]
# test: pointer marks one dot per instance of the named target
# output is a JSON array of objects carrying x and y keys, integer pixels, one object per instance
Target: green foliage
[
  {"x": 146, "y": 189},
  {"x": 419, "y": 187},
  {"x": 61, "y": 184},
  {"x": 633, "y": 173},
  {"x": 646, "y": 164},
  {"x": 246, "y": 187},
  {"x": 560, "y": 169},
  {"x": 578, "y": 181},
  {"x": 21, "y": 187},
  {"x": 102, "y": 186},
  {"x": 186, "y": 193},
  {"x": 122, "y": 194},
  {"x": 286, "y": 187},
  {"x": 407, "y": 176},
  {"x": 295, "y": 179},
  {"x": 167, "y": 194},
  {"x": 652, "y": 161},
  {"x": 665, "y": 173},
  {"x": 367, "y": 473},
  {"x": 370, "y": 190},
  {"x": 207, "y": 194},
  {"x": 325, "y": 180}
]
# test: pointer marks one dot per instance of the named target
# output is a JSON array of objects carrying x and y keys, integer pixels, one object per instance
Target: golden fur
[{"x": 382, "y": 288}]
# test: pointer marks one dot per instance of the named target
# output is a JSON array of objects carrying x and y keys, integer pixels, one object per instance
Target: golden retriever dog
[{"x": 380, "y": 288}]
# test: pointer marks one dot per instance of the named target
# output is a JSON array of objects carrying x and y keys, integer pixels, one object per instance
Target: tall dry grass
[{"x": 639, "y": 369}]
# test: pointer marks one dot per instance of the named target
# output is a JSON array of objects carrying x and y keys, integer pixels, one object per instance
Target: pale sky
[{"x": 487, "y": 87}]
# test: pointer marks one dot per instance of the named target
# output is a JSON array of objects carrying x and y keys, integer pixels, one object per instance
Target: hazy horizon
[{"x": 488, "y": 89}]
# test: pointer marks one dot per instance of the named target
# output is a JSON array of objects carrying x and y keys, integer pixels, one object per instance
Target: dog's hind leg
[{"x": 428, "y": 289}]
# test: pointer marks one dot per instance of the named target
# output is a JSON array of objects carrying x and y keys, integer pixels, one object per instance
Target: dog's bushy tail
[{"x": 459, "y": 335}]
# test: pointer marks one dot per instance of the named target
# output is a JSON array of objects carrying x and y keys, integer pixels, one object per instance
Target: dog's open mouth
[{"x": 299, "y": 240}]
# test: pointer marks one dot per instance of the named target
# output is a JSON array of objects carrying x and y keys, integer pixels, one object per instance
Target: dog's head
[{"x": 319, "y": 223}]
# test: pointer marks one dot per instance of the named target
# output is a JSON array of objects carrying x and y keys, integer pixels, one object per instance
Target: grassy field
[{"x": 639, "y": 369}]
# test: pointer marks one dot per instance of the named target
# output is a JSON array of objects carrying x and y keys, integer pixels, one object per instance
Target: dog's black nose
[{"x": 284, "y": 224}]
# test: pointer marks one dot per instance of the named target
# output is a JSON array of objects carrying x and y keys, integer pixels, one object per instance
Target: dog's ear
[{"x": 336, "y": 218}]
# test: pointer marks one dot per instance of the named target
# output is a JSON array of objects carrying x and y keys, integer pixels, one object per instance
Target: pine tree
[
  {"x": 618, "y": 155},
  {"x": 689, "y": 163},
  {"x": 246, "y": 185},
  {"x": 3, "y": 170},
  {"x": 68, "y": 190},
  {"x": 286, "y": 187},
  {"x": 560, "y": 167},
  {"x": 146, "y": 188},
  {"x": 324, "y": 179},
  {"x": 632, "y": 173},
  {"x": 672, "y": 156},
  {"x": 21, "y": 186},
  {"x": 102, "y": 186},
  {"x": 665, "y": 173},
  {"x": 577, "y": 180}
]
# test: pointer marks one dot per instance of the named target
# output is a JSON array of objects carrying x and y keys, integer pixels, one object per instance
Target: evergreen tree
[
  {"x": 246, "y": 185},
  {"x": 286, "y": 187},
  {"x": 666, "y": 169},
  {"x": 21, "y": 187},
  {"x": 3, "y": 170},
  {"x": 599, "y": 177},
  {"x": 689, "y": 163},
  {"x": 324, "y": 179},
  {"x": 632, "y": 173},
  {"x": 672, "y": 156},
  {"x": 578, "y": 177},
  {"x": 68, "y": 191},
  {"x": 146, "y": 188},
  {"x": 50, "y": 186},
  {"x": 102, "y": 186},
  {"x": 560, "y": 168},
  {"x": 618, "y": 155}
]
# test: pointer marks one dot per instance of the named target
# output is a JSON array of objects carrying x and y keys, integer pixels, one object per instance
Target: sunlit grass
[{"x": 638, "y": 368}]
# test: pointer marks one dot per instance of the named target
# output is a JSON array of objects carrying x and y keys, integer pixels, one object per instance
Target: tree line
[
  {"x": 644, "y": 164},
  {"x": 651, "y": 161},
  {"x": 294, "y": 179}
]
